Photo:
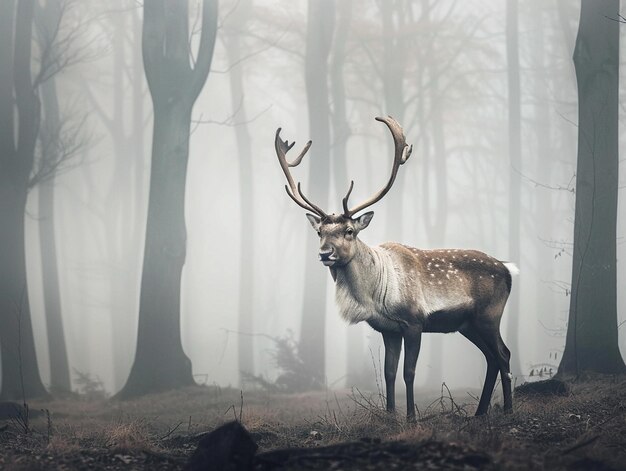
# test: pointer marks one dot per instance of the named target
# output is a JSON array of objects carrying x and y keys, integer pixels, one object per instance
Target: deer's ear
[
  {"x": 315, "y": 221},
  {"x": 364, "y": 220}
]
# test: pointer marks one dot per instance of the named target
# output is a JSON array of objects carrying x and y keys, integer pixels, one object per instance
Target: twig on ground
[
  {"x": 170, "y": 431},
  {"x": 579, "y": 445}
]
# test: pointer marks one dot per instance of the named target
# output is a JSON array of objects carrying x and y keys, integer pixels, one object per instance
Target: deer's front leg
[
  {"x": 412, "y": 342},
  {"x": 393, "y": 344}
]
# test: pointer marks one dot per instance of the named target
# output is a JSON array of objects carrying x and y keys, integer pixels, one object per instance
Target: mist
[{"x": 489, "y": 106}]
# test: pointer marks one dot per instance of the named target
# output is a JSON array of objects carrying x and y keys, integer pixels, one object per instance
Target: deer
[{"x": 402, "y": 291}]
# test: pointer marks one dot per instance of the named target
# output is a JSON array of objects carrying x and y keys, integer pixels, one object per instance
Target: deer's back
[{"x": 448, "y": 280}]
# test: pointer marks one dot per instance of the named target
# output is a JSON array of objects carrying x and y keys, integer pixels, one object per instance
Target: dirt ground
[{"x": 585, "y": 430}]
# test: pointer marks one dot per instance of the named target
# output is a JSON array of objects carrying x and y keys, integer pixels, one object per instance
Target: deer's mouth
[{"x": 328, "y": 259}]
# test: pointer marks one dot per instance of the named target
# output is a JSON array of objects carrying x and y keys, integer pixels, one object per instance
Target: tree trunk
[
  {"x": 355, "y": 362},
  {"x": 59, "y": 367},
  {"x": 544, "y": 303},
  {"x": 117, "y": 213},
  {"x": 122, "y": 216},
  {"x": 393, "y": 15},
  {"x": 320, "y": 26},
  {"x": 515, "y": 183},
  {"x": 246, "y": 185},
  {"x": 160, "y": 362},
  {"x": 20, "y": 371},
  {"x": 592, "y": 340},
  {"x": 436, "y": 212}
]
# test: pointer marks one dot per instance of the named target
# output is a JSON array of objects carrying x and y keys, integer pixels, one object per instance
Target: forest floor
[{"x": 584, "y": 430}]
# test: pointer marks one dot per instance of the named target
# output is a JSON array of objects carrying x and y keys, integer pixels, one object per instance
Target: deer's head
[{"x": 338, "y": 233}]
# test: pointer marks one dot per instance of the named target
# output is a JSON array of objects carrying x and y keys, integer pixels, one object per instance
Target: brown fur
[{"x": 402, "y": 291}]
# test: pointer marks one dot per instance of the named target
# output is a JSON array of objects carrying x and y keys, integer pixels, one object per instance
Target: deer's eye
[
  {"x": 319, "y": 233},
  {"x": 349, "y": 231}
]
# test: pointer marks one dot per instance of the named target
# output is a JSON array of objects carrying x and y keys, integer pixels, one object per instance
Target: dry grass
[
  {"x": 127, "y": 436},
  {"x": 552, "y": 432},
  {"x": 62, "y": 444}
]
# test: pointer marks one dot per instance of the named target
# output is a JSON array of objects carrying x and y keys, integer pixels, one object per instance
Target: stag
[{"x": 402, "y": 291}]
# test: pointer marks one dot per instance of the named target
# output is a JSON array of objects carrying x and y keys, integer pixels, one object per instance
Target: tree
[
  {"x": 591, "y": 342},
  {"x": 357, "y": 374},
  {"x": 434, "y": 185},
  {"x": 396, "y": 18},
  {"x": 121, "y": 216},
  {"x": 234, "y": 51},
  {"x": 321, "y": 15},
  {"x": 48, "y": 20},
  {"x": 515, "y": 163},
  {"x": 19, "y": 126},
  {"x": 174, "y": 83}
]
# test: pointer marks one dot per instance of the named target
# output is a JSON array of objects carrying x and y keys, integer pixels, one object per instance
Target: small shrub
[
  {"x": 295, "y": 376},
  {"x": 90, "y": 388}
]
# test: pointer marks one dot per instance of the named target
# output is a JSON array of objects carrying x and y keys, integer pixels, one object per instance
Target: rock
[
  {"x": 549, "y": 387},
  {"x": 13, "y": 410},
  {"x": 227, "y": 448}
]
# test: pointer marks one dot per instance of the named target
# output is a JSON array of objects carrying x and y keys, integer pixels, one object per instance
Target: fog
[{"x": 440, "y": 68}]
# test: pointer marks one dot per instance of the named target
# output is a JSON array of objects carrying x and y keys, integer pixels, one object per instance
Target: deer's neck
[{"x": 367, "y": 286}]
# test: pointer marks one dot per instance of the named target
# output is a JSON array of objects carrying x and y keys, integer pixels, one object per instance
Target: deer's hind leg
[
  {"x": 505, "y": 373},
  {"x": 473, "y": 336},
  {"x": 489, "y": 332}
]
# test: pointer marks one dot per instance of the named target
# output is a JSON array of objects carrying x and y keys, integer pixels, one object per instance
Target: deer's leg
[
  {"x": 492, "y": 368},
  {"x": 393, "y": 344},
  {"x": 412, "y": 342},
  {"x": 502, "y": 355},
  {"x": 505, "y": 373}
]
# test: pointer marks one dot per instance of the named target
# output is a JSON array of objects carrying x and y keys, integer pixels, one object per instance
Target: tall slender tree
[
  {"x": 121, "y": 218},
  {"x": 356, "y": 362},
  {"x": 396, "y": 16},
  {"x": 319, "y": 36},
  {"x": 592, "y": 341},
  {"x": 434, "y": 215},
  {"x": 19, "y": 126},
  {"x": 544, "y": 165},
  {"x": 515, "y": 169},
  {"x": 234, "y": 51},
  {"x": 160, "y": 362},
  {"x": 48, "y": 19}
]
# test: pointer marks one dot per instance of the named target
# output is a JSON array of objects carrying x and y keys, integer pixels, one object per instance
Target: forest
[{"x": 166, "y": 304}]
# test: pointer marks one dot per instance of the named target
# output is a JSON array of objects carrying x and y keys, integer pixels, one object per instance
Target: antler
[
  {"x": 402, "y": 154},
  {"x": 293, "y": 190}
]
